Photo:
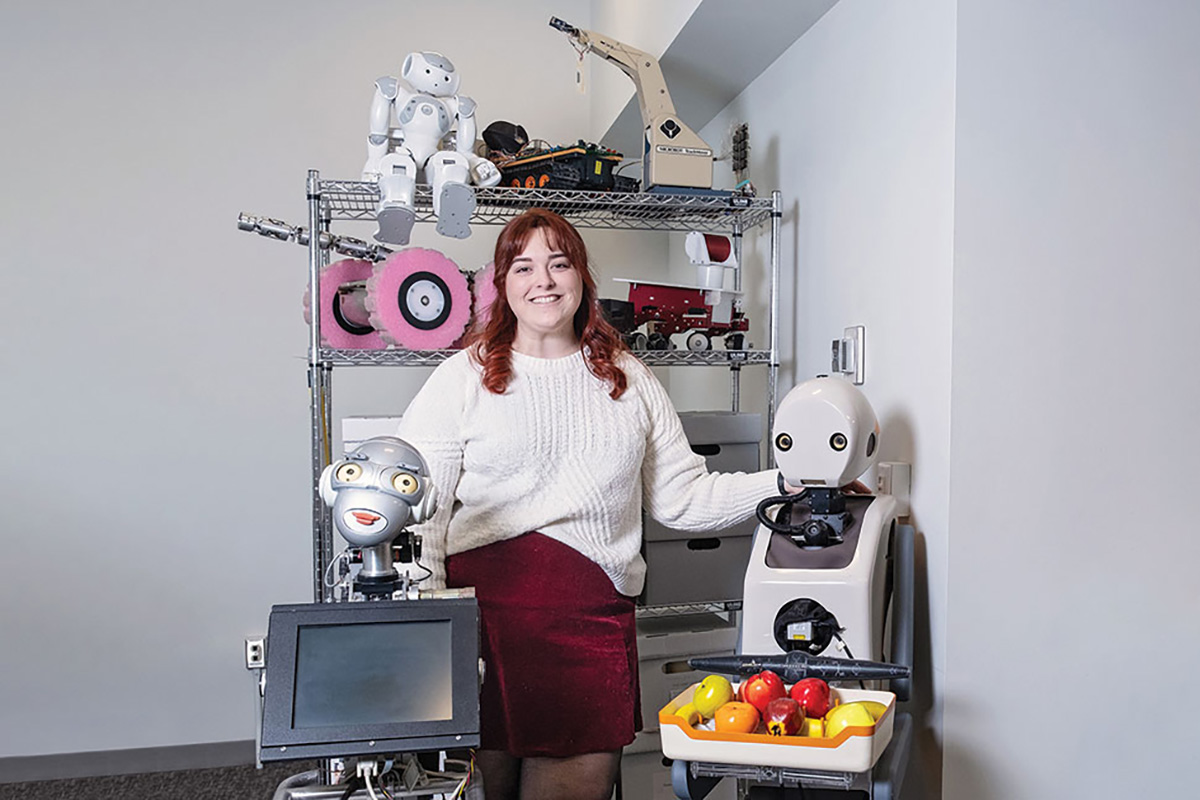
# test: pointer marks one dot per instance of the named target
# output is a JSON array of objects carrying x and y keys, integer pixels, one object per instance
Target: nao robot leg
[
  {"x": 397, "y": 187},
  {"x": 453, "y": 196}
]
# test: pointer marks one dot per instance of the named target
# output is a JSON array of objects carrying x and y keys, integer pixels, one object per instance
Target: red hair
[{"x": 491, "y": 345}]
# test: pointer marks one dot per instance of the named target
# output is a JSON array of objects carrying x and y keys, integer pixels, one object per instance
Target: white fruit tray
[{"x": 855, "y": 749}]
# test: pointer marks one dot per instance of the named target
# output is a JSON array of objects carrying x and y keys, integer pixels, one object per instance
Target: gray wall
[
  {"x": 855, "y": 124},
  {"x": 155, "y": 479},
  {"x": 1073, "y": 633}
]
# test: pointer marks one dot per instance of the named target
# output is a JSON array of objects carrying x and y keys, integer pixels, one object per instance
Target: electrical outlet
[
  {"x": 256, "y": 654},
  {"x": 895, "y": 478}
]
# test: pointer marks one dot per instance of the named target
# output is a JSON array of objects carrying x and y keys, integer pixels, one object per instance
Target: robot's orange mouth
[{"x": 366, "y": 517}]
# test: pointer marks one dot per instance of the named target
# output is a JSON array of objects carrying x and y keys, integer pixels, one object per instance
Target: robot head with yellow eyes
[{"x": 377, "y": 489}]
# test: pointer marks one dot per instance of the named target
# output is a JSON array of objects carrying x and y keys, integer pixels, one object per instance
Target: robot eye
[
  {"x": 838, "y": 441},
  {"x": 783, "y": 442},
  {"x": 405, "y": 483},
  {"x": 348, "y": 473},
  {"x": 870, "y": 445}
]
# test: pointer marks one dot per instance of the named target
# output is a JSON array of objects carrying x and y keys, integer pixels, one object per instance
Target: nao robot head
[
  {"x": 826, "y": 434},
  {"x": 430, "y": 73},
  {"x": 377, "y": 490}
]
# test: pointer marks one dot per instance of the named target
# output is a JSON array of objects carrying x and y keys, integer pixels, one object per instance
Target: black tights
[{"x": 587, "y": 777}]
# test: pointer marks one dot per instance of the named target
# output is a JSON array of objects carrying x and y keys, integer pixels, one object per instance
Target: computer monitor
[{"x": 371, "y": 678}]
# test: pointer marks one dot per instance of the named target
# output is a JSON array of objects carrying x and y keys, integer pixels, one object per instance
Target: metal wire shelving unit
[
  {"x": 337, "y": 201},
  {"x": 353, "y": 200}
]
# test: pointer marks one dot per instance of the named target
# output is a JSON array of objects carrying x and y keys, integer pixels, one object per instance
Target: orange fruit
[{"x": 736, "y": 717}]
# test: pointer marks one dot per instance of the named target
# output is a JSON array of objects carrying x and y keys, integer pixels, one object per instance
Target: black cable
[
  {"x": 850, "y": 655},
  {"x": 428, "y": 571},
  {"x": 351, "y": 786},
  {"x": 783, "y": 499}
]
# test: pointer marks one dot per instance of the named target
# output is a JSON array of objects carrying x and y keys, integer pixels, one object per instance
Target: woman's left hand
[{"x": 856, "y": 487}]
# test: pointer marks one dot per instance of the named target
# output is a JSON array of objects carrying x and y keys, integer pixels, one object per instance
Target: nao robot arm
[
  {"x": 483, "y": 171},
  {"x": 374, "y": 492},
  {"x": 379, "y": 137},
  {"x": 675, "y": 154}
]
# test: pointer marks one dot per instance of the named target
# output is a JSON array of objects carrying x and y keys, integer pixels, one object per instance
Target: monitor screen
[
  {"x": 349, "y": 679},
  {"x": 372, "y": 673}
]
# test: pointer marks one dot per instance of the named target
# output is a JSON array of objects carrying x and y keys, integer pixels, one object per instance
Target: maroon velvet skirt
[{"x": 559, "y": 645}]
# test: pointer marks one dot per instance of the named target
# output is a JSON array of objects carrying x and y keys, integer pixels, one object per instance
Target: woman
[{"x": 545, "y": 439}]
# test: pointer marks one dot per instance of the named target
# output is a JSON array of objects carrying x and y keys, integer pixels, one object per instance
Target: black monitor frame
[{"x": 282, "y": 741}]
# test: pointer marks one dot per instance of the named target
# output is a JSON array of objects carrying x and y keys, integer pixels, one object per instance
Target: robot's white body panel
[
  {"x": 425, "y": 121},
  {"x": 853, "y": 593}
]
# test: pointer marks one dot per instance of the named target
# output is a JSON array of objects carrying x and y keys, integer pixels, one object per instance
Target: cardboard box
[
  {"x": 664, "y": 646},
  {"x": 683, "y": 567}
]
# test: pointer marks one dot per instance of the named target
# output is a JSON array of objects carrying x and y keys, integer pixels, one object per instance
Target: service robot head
[
  {"x": 825, "y": 434},
  {"x": 430, "y": 73},
  {"x": 378, "y": 489}
]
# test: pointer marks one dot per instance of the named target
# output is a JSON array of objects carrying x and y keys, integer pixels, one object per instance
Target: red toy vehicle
[{"x": 666, "y": 308}]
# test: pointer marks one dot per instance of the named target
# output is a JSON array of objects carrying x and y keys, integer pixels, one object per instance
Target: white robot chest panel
[{"x": 424, "y": 120}]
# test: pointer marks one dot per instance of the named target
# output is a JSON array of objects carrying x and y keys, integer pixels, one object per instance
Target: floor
[{"x": 226, "y": 783}]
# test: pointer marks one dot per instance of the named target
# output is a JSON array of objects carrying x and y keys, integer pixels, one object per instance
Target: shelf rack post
[
  {"x": 735, "y": 369},
  {"x": 320, "y": 385},
  {"x": 773, "y": 365}
]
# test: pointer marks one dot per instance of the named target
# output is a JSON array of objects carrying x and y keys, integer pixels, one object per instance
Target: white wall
[
  {"x": 854, "y": 123},
  {"x": 1073, "y": 633},
  {"x": 648, "y": 26},
  {"x": 155, "y": 466}
]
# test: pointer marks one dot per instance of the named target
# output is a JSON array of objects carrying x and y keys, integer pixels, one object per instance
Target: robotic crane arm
[
  {"x": 673, "y": 154},
  {"x": 643, "y": 68}
]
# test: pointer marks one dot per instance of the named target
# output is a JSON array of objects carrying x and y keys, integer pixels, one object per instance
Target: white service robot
[
  {"x": 398, "y": 157},
  {"x": 817, "y": 578},
  {"x": 375, "y": 491}
]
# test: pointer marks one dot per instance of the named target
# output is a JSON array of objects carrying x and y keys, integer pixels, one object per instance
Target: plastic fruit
[
  {"x": 847, "y": 715},
  {"x": 814, "y": 726},
  {"x": 875, "y": 707},
  {"x": 736, "y": 717},
  {"x": 784, "y": 717},
  {"x": 759, "y": 690},
  {"x": 813, "y": 696},
  {"x": 712, "y": 693},
  {"x": 689, "y": 714}
]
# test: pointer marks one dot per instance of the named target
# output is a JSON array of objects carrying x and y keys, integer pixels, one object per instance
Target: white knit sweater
[{"x": 556, "y": 454}]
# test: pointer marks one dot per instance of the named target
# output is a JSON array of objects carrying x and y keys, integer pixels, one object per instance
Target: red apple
[
  {"x": 813, "y": 696},
  {"x": 760, "y": 689},
  {"x": 784, "y": 717}
]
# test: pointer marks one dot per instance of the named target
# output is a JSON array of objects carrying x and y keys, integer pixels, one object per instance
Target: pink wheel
[
  {"x": 345, "y": 323},
  {"x": 418, "y": 299},
  {"x": 483, "y": 289}
]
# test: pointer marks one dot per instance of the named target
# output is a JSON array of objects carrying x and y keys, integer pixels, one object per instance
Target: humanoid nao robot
[
  {"x": 375, "y": 491},
  {"x": 426, "y": 116}
]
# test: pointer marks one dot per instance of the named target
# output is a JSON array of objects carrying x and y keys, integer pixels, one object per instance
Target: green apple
[
  {"x": 712, "y": 693},
  {"x": 847, "y": 715}
]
